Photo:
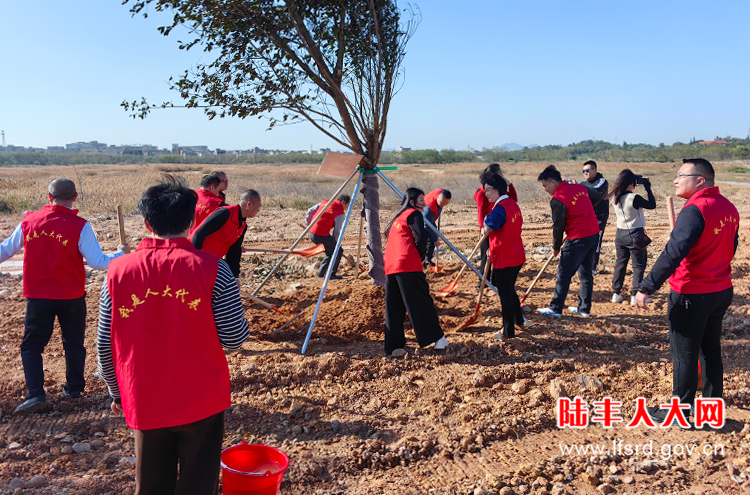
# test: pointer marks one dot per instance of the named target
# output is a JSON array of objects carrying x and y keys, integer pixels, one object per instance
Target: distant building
[{"x": 401, "y": 149}]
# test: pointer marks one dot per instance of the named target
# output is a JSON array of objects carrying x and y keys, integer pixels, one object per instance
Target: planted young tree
[{"x": 333, "y": 63}]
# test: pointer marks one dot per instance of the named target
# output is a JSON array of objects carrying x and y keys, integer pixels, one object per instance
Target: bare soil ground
[{"x": 476, "y": 418}]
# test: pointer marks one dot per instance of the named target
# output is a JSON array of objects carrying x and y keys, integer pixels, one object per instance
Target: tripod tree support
[
  {"x": 447, "y": 242},
  {"x": 304, "y": 233},
  {"x": 331, "y": 264}
]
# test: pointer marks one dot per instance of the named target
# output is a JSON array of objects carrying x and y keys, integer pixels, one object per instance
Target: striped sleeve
[
  {"x": 104, "y": 342},
  {"x": 229, "y": 314}
]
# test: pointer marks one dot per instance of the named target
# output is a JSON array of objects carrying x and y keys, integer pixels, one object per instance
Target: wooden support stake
[
  {"x": 121, "y": 223},
  {"x": 670, "y": 211}
]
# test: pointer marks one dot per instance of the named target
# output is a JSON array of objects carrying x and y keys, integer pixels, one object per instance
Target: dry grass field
[{"x": 478, "y": 418}]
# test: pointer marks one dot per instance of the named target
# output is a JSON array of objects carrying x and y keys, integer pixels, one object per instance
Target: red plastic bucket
[{"x": 253, "y": 469}]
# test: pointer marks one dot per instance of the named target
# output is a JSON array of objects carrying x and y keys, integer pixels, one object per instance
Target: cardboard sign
[{"x": 339, "y": 164}]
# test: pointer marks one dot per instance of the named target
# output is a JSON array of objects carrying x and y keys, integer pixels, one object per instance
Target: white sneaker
[
  {"x": 574, "y": 309},
  {"x": 617, "y": 298},
  {"x": 632, "y": 300},
  {"x": 441, "y": 344},
  {"x": 548, "y": 312}
]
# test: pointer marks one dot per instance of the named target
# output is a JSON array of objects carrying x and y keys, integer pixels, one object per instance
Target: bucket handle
[{"x": 265, "y": 473}]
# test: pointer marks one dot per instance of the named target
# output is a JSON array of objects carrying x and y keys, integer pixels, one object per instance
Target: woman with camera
[{"x": 631, "y": 239}]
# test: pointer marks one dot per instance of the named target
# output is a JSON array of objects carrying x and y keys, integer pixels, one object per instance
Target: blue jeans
[{"x": 576, "y": 255}]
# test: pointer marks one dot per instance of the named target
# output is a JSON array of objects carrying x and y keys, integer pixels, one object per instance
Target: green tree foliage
[{"x": 333, "y": 63}]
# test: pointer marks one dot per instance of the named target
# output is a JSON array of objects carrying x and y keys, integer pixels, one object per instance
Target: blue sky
[{"x": 478, "y": 74}]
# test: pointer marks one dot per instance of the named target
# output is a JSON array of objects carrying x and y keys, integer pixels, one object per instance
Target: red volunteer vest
[
  {"x": 506, "y": 245},
  {"x": 207, "y": 204},
  {"x": 430, "y": 199},
  {"x": 52, "y": 264},
  {"x": 580, "y": 220},
  {"x": 328, "y": 219},
  {"x": 220, "y": 241},
  {"x": 401, "y": 255},
  {"x": 484, "y": 207},
  {"x": 707, "y": 267},
  {"x": 171, "y": 369}
]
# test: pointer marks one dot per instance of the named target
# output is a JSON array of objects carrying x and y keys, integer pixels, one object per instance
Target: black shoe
[
  {"x": 74, "y": 394},
  {"x": 658, "y": 415},
  {"x": 335, "y": 277},
  {"x": 33, "y": 405}
]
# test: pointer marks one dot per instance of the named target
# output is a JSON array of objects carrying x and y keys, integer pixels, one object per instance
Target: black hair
[
  {"x": 169, "y": 207},
  {"x": 410, "y": 197},
  {"x": 496, "y": 181},
  {"x": 703, "y": 167},
  {"x": 251, "y": 195},
  {"x": 217, "y": 173},
  {"x": 624, "y": 180},
  {"x": 550, "y": 172},
  {"x": 492, "y": 168},
  {"x": 446, "y": 193},
  {"x": 62, "y": 189},
  {"x": 345, "y": 198},
  {"x": 210, "y": 181},
  {"x": 590, "y": 162}
]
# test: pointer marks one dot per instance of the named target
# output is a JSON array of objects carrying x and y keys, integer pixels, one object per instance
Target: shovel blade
[
  {"x": 436, "y": 269},
  {"x": 306, "y": 253},
  {"x": 472, "y": 319},
  {"x": 449, "y": 289}
]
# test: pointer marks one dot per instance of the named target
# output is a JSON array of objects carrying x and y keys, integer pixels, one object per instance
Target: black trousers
[
  {"x": 330, "y": 244},
  {"x": 484, "y": 247},
  {"x": 39, "y": 324},
  {"x": 504, "y": 279},
  {"x": 575, "y": 255},
  {"x": 627, "y": 251},
  {"x": 194, "y": 447},
  {"x": 602, "y": 225},
  {"x": 695, "y": 335},
  {"x": 409, "y": 292}
]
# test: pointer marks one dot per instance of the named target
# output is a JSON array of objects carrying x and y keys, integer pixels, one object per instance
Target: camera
[{"x": 639, "y": 180}]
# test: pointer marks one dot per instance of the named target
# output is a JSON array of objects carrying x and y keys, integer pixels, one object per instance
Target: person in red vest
[
  {"x": 209, "y": 200},
  {"x": 223, "y": 232},
  {"x": 406, "y": 288},
  {"x": 55, "y": 241},
  {"x": 572, "y": 214},
  {"x": 326, "y": 231},
  {"x": 165, "y": 312},
  {"x": 434, "y": 202},
  {"x": 697, "y": 261},
  {"x": 503, "y": 225},
  {"x": 223, "y": 184},
  {"x": 484, "y": 206}
]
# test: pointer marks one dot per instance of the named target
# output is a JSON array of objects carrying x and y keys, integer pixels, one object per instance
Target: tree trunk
[{"x": 372, "y": 222}]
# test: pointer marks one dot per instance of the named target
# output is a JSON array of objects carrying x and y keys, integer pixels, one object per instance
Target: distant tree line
[{"x": 734, "y": 149}]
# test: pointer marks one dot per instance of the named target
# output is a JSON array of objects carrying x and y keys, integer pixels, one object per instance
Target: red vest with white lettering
[
  {"x": 580, "y": 219},
  {"x": 208, "y": 203},
  {"x": 170, "y": 366},
  {"x": 430, "y": 199},
  {"x": 220, "y": 241},
  {"x": 506, "y": 245},
  {"x": 401, "y": 255},
  {"x": 52, "y": 264},
  {"x": 707, "y": 266},
  {"x": 328, "y": 219},
  {"x": 484, "y": 207}
]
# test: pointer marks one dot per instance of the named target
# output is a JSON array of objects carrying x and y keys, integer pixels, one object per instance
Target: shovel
[
  {"x": 436, "y": 268},
  {"x": 450, "y": 289},
  {"x": 305, "y": 253},
  {"x": 473, "y": 318},
  {"x": 533, "y": 283},
  {"x": 265, "y": 304}
]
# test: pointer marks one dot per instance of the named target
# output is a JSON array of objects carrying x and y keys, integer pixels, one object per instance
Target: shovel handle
[
  {"x": 670, "y": 212},
  {"x": 256, "y": 299},
  {"x": 481, "y": 286},
  {"x": 544, "y": 267},
  {"x": 471, "y": 254}
]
